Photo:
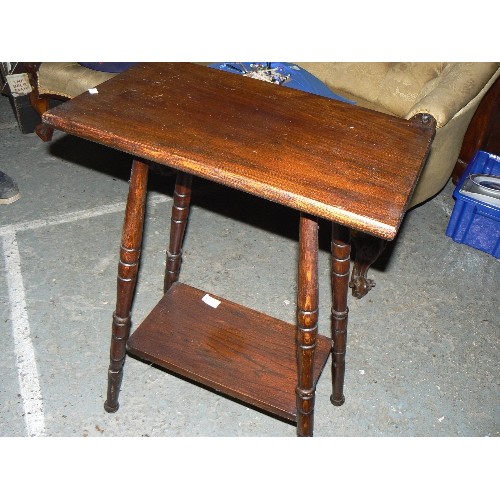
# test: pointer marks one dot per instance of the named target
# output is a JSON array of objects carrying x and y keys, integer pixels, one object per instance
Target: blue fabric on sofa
[
  {"x": 108, "y": 67},
  {"x": 299, "y": 79}
]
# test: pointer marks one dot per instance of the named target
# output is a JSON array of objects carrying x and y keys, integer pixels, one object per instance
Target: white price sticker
[{"x": 211, "y": 301}]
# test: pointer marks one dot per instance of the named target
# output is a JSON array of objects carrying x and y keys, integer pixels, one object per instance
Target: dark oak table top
[{"x": 327, "y": 158}]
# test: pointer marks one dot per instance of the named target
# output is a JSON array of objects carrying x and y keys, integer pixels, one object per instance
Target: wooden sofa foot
[
  {"x": 368, "y": 249},
  {"x": 44, "y": 132},
  {"x": 41, "y": 104}
]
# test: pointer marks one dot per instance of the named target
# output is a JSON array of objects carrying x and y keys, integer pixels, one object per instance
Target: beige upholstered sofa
[{"x": 450, "y": 92}]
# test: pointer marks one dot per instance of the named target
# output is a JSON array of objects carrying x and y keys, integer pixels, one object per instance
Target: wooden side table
[{"x": 324, "y": 158}]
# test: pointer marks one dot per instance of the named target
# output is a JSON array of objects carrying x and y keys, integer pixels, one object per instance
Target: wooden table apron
[{"x": 352, "y": 166}]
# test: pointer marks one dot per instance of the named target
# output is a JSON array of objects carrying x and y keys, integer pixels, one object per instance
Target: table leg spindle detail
[
  {"x": 128, "y": 266},
  {"x": 307, "y": 323},
  {"x": 341, "y": 250},
  {"x": 178, "y": 223}
]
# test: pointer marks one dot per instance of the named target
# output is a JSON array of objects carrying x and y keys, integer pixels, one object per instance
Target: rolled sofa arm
[
  {"x": 453, "y": 89},
  {"x": 68, "y": 79},
  {"x": 441, "y": 89}
]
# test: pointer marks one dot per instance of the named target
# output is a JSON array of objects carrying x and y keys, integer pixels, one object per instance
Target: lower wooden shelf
[{"x": 232, "y": 349}]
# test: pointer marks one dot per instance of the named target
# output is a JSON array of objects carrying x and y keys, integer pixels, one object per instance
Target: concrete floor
[{"x": 423, "y": 349}]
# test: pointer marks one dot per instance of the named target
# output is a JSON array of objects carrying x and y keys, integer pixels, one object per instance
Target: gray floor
[{"x": 423, "y": 351}]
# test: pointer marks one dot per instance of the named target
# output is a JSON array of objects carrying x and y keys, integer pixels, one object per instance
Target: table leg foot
[
  {"x": 128, "y": 267},
  {"x": 341, "y": 251},
  {"x": 111, "y": 404},
  {"x": 337, "y": 402},
  {"x": 111, "y": 409}
]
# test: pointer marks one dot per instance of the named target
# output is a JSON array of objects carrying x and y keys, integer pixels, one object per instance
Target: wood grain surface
[{"x": 324, "y": 157}]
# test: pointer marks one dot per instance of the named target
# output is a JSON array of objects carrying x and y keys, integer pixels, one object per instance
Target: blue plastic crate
[{"x": 474, "y": 221}]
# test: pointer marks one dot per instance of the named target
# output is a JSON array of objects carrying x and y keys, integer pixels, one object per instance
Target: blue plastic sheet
[
  {"x": 108, "y": 67},
  {"x": 285, "y": 74}
]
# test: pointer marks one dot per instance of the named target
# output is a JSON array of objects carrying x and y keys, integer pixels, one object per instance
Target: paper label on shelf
[
  {"x": 19, "y": 84},
  {"x": 210, "y": 301}
]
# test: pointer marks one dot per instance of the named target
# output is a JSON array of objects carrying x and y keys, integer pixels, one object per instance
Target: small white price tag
[
  {"x": 19, "y": 84},
  {"x": 93, "y": 91},
  {"x": 211, "y": 301}
]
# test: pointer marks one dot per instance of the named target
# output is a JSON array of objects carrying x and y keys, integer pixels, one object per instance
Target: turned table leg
[
  {"x": 307, "y": 323},
  {"x": 178, "y": 223},
  {"x": 341, "y": 250},
  {"x": 128, "y": 266}
]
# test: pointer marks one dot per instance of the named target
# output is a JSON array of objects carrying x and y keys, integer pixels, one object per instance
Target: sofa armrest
[
  {"x": 459, "y": 85},
  {"x": 406, "y": 89},
  {"x": 68, "y": 79}
]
